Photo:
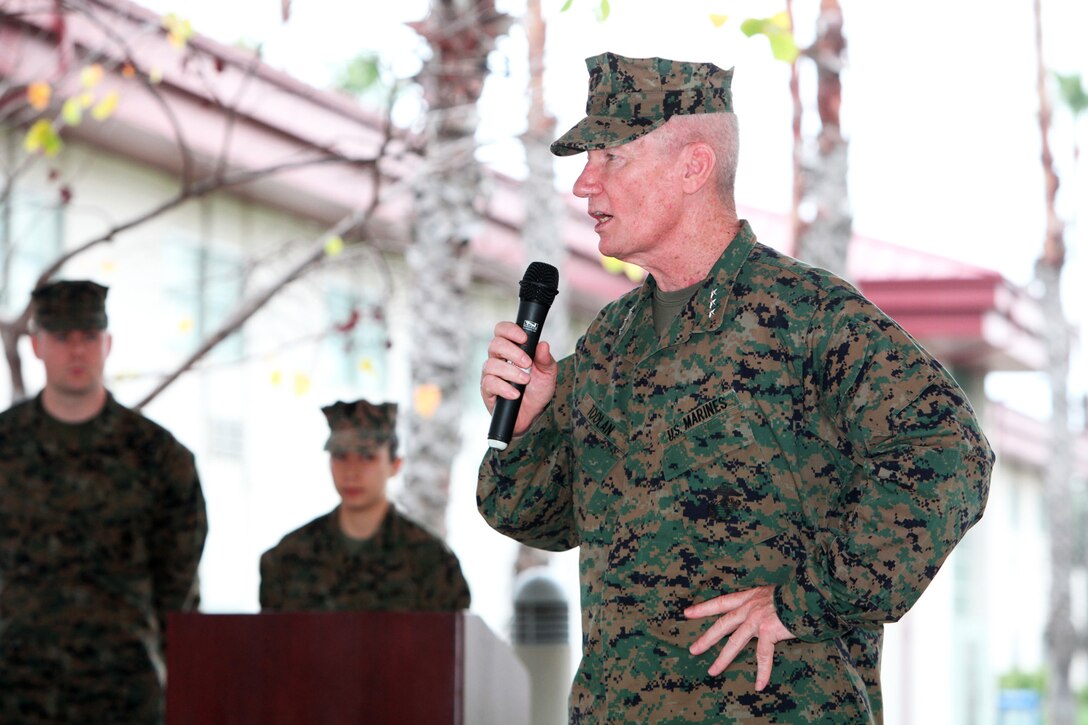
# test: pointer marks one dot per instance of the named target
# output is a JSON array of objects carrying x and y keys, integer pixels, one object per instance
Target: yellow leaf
[
  {"x": 86, "y": 99},
  {"x": 186, "y": 325},
  {"x": 334, "y": 245},
  {"x": 33, "y": 140},
  {"x": 634, "y": 272},
  {"x": 38, "y": 95},
  {"x": 106, "y": 106},
  {"x": 91, "y": 76},
  {"x": 178, "y": 30},
  {"x": 276, "y": 378},
  {"x": 42, "y": 137},
  {"x": 718, "y": 20},
  {"x": 426, "y": 398},
  {"x": 109, "y": 266},
  {"x": 366, "y": 365},
  {"x": 782, "y": 20},
  {"x": 612, "y": 265},
  {"x": 302, "y": 384},
  {"x": 72, "y": 112}
]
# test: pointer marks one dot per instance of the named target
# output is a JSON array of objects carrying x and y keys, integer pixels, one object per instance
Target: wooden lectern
[{"x": 341, "y": 668}]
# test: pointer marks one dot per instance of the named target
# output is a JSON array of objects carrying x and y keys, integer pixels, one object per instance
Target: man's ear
[
  {"x": 700, "y": 163},
  {"x": 34, "y": 345}
]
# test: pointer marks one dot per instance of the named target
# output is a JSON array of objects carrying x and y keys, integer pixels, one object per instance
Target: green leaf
[
  {"x": 753, "y": 26},
  {"x": 778, "y": 33},
  {"x": 1072, "y": 92},
  {"x": 361, "y": 74},
  {"x": 606, "y": 8},
  {"x": 783, "y": 47},
  {"x": 43, "y": 137},
  {"x": 566, "y": 6}
]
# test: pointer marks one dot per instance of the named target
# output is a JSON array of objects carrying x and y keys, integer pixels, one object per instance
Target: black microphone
[{"x": 539, "y": 287}]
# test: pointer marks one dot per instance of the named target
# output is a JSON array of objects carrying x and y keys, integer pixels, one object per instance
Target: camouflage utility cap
[
  {"x": 70, "y": 305},
  {"x": 360, "y": 427},
  {"x": 629, "y": 97}
]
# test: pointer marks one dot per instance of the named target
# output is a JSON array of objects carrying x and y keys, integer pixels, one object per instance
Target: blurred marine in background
[
  {"x": 102, "y": 525},
  {"x": 364, "y": 554}
]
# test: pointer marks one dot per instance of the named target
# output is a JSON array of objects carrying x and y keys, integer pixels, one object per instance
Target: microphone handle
[{"x": 531, "y": 319}]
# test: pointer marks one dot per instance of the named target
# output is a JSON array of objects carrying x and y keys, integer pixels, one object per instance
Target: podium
[{"x": 341, "y": 668}]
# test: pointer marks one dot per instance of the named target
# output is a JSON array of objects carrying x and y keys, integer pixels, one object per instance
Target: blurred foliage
[
  {"x": 1020, "y": 680},
  {"x": 1036, "y": 680},
  {"x": 779, "y": 33},
  {"x": 361, "y": 74},
  {"x": 1072, "y": 91},
  {"x": 178, "y": 30},
  {"x": 43, "y": 136},
  {"x": 603, "y": 9}
]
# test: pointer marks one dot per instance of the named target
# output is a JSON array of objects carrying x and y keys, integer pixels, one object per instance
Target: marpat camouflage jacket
[
  {"x": 782, "y": 432},
  {"x": 402, "y": 567},
  {"x": 102, "y": 525}
]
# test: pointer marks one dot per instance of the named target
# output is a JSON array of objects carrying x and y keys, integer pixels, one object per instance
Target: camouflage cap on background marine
[
  {"x": 629, "y": 97},
  {"x": 360, "y": 426},
  {"x": 70, "y": 305}
]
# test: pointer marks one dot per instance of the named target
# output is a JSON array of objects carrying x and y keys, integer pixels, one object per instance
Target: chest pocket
[
  {"x": 599, "y": 454},
  {"x": 597, "y": 439},
  {"x": 721, "y": 478},
  {"x": 717, "y": 436}
]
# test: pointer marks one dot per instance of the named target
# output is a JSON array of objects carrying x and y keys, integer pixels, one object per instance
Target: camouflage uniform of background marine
[
  {"x": 402, "y": 567},
  {"x": 102, "y": 525},
  {"x": 782, "y": 431}
]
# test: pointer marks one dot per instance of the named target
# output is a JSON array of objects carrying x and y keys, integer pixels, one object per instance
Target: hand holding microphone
[{"x": 539, "y": 287}]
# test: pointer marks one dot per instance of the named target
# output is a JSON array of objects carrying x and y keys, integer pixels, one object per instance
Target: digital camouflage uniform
[
  {"x": 401, "y": 568},
  {"x": 102, "y": 525},
  {"x": 782, "y": 432}
]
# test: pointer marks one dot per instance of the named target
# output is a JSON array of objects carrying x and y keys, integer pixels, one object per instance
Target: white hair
[{"x": 720, "y": 131}]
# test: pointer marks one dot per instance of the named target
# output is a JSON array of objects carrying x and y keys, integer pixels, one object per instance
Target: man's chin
[
  {"x": 79, "y": 388},
  {"x": 354, "y": 505}
]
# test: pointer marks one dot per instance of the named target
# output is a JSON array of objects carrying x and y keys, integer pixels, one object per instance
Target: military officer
[{"x": 759, "y": 467}]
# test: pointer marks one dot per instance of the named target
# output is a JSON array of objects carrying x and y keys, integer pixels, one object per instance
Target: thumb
[{"x": 543, "y": 358}]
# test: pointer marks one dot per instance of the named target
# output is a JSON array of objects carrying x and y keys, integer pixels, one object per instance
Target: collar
[{"x": 705, "y": 312}]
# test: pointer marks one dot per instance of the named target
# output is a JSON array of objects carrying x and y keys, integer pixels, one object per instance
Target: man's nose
[{"x": 586, "y": 184}]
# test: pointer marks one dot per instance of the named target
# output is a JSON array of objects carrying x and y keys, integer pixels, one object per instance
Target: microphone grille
[{"x": 540, "y": 283}]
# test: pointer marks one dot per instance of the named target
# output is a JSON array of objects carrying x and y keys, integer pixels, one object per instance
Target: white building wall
[{"x": 250, "y": 412}]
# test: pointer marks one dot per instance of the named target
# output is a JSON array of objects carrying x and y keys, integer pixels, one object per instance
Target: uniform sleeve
[
  {"x": 178, "y": 534},
  {"x": 271, "y": 591},
  {"x": 524, "y": 491},
  {"x": 451, "y": 590},
  {"x": 918, "y": 477}
]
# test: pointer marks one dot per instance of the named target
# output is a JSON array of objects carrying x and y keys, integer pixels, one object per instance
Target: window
[
  {"x": 357, "y": 345},
  {"x": 31, "y": 234},
  {"x": 202, "y": 286}
]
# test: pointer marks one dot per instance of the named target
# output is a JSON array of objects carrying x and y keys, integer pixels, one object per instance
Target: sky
[{"x": 939, "y": 107}]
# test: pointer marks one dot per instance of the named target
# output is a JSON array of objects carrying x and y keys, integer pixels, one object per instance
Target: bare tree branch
[{"x": 251, "y": 306}]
